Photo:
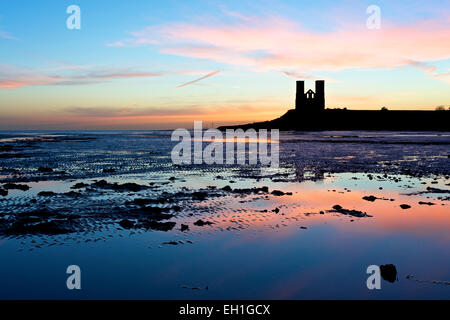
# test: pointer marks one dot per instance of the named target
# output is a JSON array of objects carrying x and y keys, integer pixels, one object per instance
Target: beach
[{"x": 141, "y": 227}]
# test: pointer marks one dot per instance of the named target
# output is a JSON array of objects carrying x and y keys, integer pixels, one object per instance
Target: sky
[{"x": 148, "y": 64}]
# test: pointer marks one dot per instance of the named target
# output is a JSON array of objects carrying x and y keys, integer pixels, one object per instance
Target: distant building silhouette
[
  {"x": 310, "y": 114},
  {"x": 310, "y": 101}
]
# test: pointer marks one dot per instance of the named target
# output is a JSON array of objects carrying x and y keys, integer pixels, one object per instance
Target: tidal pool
[{"x": 308, "y": 232}]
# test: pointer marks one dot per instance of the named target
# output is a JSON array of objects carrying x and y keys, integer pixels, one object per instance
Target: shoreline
[{"x": 349, "y": 120}]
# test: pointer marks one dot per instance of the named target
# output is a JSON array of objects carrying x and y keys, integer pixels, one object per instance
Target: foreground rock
[
  {"x": 129, "y": 186},
  {"x": 126, "y": 224},
  {"x": 388, "y": 272},
  {"x": 159, "y": 226},
  {"x": 427, "y": 203},
  {"x": 201, "y": 223},
  {"x": 370, "y": 198},
  {"x": 10, "y": 186},
  {"x": 354, "y": 213}
]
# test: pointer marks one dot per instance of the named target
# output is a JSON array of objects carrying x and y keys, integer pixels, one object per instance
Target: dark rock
[
  {"x": 437, "y": 190},
  {"x": 3, "y": 192},
  {"x": 226, "y": 188},
  {"x": 45, "y": 169},
  {"x": 251, "y": 190},
  {"x": 46, "y": 194},
  {"x": 152, "y": 210},
  {"x": 199, "y": 195},
  {"x": 353, "y": 213},
  {"x": 427, "y": 203},
  {"x": 126, "y": 224},
  {"x": 184, "y": 227},
  {"x": 142, "y": 202},
  {"x": 109, "y": 170},
  {"x": 79, "y": 185},
  {"x": 129, "y": 186},
  {"x": 370, "y": 198},
  {"x": 388, "y": 272},
  {"x": 9, "y": 186},
  {"x": 201, "y": 223},
  {"x": 405, "y": 206},
  {"x": 154, "y": 213},
  {"x": 159, "y": 226},
  {"x": 173, "y": 243},
  {"x": 277, "y": 193},
  {"x": 101, "y": 184}
]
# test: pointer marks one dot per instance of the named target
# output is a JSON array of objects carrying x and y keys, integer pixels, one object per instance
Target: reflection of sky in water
[{"x": 272, "y": 257}]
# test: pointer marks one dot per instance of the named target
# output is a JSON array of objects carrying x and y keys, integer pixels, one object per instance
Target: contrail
[{"x": 199, "y": 79}]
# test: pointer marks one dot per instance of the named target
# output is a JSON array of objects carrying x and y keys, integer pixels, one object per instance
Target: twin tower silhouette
[
  {"x": 310, "y": 101},
  {"x": 310, "y": 115}
]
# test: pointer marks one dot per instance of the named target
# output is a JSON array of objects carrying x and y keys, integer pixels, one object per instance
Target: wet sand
[{"x": 140, "y": 227}]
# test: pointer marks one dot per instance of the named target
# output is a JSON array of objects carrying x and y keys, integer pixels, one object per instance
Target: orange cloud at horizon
[{"x": 140, "y": 118}]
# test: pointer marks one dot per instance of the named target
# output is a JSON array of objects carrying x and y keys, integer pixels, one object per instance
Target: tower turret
[
  {"x": 320, "y": 95},
  {"x": 300, "y": 95}
]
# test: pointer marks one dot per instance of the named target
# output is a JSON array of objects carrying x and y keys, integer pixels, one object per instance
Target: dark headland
[{"x": 310, "y": 114}]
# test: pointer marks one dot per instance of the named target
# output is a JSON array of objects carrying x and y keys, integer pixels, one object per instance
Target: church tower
[{"x": 310, "y": 101}]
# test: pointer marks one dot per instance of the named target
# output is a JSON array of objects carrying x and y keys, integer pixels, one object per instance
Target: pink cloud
[
  {"x": 70, "y": 74},
  {"x": 279, "y": 44},
  {"x": 117, "y": 74},
  {"x": 14, "y": 77},
  {"x": 17, "y": 83}
]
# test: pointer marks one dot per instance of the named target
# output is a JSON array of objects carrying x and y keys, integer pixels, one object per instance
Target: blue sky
[{"x": 123, "y": 67}]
